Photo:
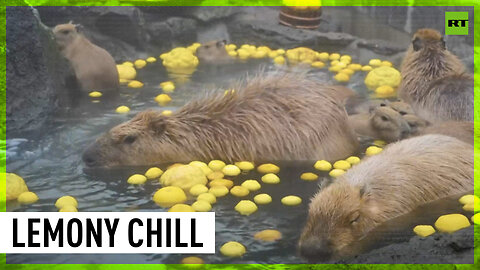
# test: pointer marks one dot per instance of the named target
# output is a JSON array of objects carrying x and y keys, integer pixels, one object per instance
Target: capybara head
[
  {"x": 388, "y": 124},
  {"x": 145, "y": 139},
  {"x": 401, "y": 107},
  {"x": 65, "y": 34},
  {"x": 213, "y": 51},
  {"x": 338, "y": 216},
  {"x": 427, "y": 38},
  {"x": 416, "y": 123}
]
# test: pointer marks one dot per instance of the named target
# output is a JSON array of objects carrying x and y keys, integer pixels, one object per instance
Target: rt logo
[{"x": 456, "y": 23}]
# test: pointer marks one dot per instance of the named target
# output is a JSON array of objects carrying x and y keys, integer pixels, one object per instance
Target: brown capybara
[
  {"x": 416, "y": 123},
  {"x": 381, "y": 123},
  {"x": 434, "y": 81},
  {"x": 213, "y": 52},
  {"x": 405, "y": 175},
  {"x": 399, "y": 106},
  {"x": 461, "y": 130},
  {"x": 272, "y": 117},
  {"x": 94, "y": 67}
]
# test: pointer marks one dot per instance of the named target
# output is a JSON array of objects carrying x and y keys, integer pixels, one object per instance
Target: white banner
[{"x": 107, "y": 232}]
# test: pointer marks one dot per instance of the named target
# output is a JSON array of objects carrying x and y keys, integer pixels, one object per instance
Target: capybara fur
[
  {"x": 463, "y": 131},
  {"x": 94, "y": 67},
  {"x": 434, "y": 81},
  {"x": 280, "y": 116},
  {"x": 381, "y": 123},
  {"x": 213, "y": 52},
  {"x": 405, "y": 175},
  {"x": 416, "y": 123},
  {"x": 399, "y": 106}
]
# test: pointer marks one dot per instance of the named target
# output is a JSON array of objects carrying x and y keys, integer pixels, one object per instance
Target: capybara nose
[
  {"x": 316, "y": 250},
  {"x": 89, "y": 157}
]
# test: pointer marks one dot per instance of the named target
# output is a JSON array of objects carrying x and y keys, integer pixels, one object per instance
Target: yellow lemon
[
  {"x": 342, "y": 164},
  {"x": 424, "y": 230},
  {"x": 239, "y": 191},
  {"x": 95, "y": 94},
  {"x": 192, "y": 260},
  {"x": 323, "y": 56},
  {"x": 15, "y": 185},
  {"x": 208, "y": 197},
  {"x": 291, "y": 200},
  {"x": 336, "y": 172},
  {"x": 318, "y": 64},
  {"x": 181, "y": 208},
  {"x": 468, "y": 199},
  {"x": 270, "y": 178},
  {"x": 342, "y": 77},
  {"x": 383, "y": 76},
  {"x": 375, "y": 62},
  {"x": 183, "y": 176},
  {"x": 476, "y": 218},
  {"x": 202, "y": 206},
  {"x": 373, "y": 150},
  {"x": 135, "y": 84},
  {"x": 231, "y": 170},
  {"x": 137, "y": 179},
  {"x": 153, "y": 173},
  {"x": 353, "y": 160},
  {"x": 27, "y": 198},
  {"x": 309, "y": 176},
  {"x": 386, "y": 63},
  {"x": 268, "y": 168},
  {"x": 126, "y": 72},
  {"x": 122, "y": 109},
  {"x": 354, "y": 67},
  {"x": 379, "y": 143},
  {"x": 167, "y": 87},
  {"x": 66, "y": 200},
  {"x": 334, "y": 56},
  {"x": 279, "y": 60},
  {"x": 169, "y": 196},
  {"x": 218, "y": 191},
  {"x": 140, "y": 63},
  {"x": 232, "y": 249},
  {"x": 251, "y": 185},
  {"x": 167, "y": 112},
  {"x": 262, "y": 198},
  {"x": 198, "y": 189},
  {"x": 151, "y": 59},
  {"x": 246, "y": 207},
  {"x": 323, "y": 165},
  {"x": 245, "y": 165},
  {"x": 201, "y": 165},
  {"x": 215, "y": 175},
  {"x": 128, "y": 64},
  {"x": 68, "y": 208},
  {"x": 268, "y": 235},
  {"x": 451, "y": 223},
  {"x": 221, "y": 182}
]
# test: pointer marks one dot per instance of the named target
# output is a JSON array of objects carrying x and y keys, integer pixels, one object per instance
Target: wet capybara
[
  {"x": 399, "y": 106},
  {"x": 434, "y": 81},
  {"x": 279, "y": 116},
  {"x": 405, "y": 175},
  {"x": 213, "y": 52},
  {"x": 94, "y": 67},
  {"x": 381, "y": 123},
  {"x": 461, "y": 130},
  {"x": 416, "y": 123}
]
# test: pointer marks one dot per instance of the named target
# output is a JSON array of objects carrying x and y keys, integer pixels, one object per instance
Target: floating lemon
[
  {"x": 342, "y": 77},
  {"x": 208, "y": 197},
  {"x": 385, "y": 90},
  {"x": 137, "y": 179},
  {"x": 366, "y": 68},
  {"x": 221, "y": 182},
  {"x": 233, "y": 249},
  {"x": 347, "y": 71},
  {"x": 383, "y": 76},
  {"x": 451, "y": 223},
  {"x": 135, "y": 84},
  {"x": 342, "y": 164},
  {"x": 251, "y": 185},
  {"x": 183, "y": 176},
  {"x": 163, "y": 99},
  {"x": 323, "y": 165},
  {"x": 375, "y": 62},
  {"x": 291, "y": 200},
  {"x": 386, "y": 63},
  {"x": 169, "y": 196},
  {"x": 202, "y": 206},
  {"x": 353, "y": 160},
  {"x": 215, "y": 175},
  {"x": 181, "y": 208},
  {"x": 167, "y": 87},
  {"x": 336, "y": 172},
  {"x": 218, "y": 191},
  {"x": 192, "y": 260},
  {"x": 167, "y": 112},
  {"x": 126, "y": 71},
  {"x": 246, "y": 207},
  {"x": 231, "y": 170},
  {"x": 239, "y": 191},
  {"x": 354, "y": 67},
  {"x": 268, "y": 235},
  {"x": 334, "y": 56},
  {"x": 470, "y": 207},
  {"x": 198, "y": 189},
  {"x": 309, "y": 176},
  {"x": 373, "y": 150},
  {"x": 122, "y": 109},
  {"x": 468, "y": 199},
  {"x": 65, "y": 201},
  {"x": 323, "y": 56},
  {"x": 140, "y": 63},
  {"x": 245, "y": 165},
  {"x": 15, "y": 185},
  {"x": 95, "y": 94},
  {"x": 153, "y": 173},
  {"x": 268, "y": 168},
  {"x": 151, "y": 59},
  {"x": 201, "y": 165},
  {"x": 318, "y": 64},
  {"x": 424, "y": 230},
  {"x": 270, "y": 178},
  {"x": 380, "y": 143},
  {"x": 476, "y": 218},
  {"x": 262, "y": 198},
  {"x": 68, "y": 208},
  {"x": 27, "y": 198},
  {"x": 128, "y": 64}
]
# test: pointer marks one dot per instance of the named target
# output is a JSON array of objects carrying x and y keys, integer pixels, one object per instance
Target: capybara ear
[
  {"x": 417, "y": 44},
  {"x": 442, "y": 40},
  {"x": 221, "y": 43},
  {"x": 158, "y": 125},
  {"x": 78, "y": 27}
]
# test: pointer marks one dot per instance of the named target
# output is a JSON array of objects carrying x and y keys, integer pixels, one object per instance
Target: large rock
[
  {"x": 35, "y": 71},
  {"x": 173, "y": 31}
]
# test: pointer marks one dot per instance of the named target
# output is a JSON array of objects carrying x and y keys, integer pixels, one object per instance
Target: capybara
[
  {"x": 461, "y": 130},
  {"x": 94, "y": 67},
  {"x": 434, "y": 81},
  {"x": 399, "y": 106},
  {"x": 381, "y": 123},
  {"x": 405, "y": 175},
  {"x": 280, "y": 116},
  {"x": 213, "y": 52}
]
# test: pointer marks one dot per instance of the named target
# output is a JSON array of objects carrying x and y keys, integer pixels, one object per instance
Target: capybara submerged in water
[
  {"x": 272, "y": 117},
  {"x": 213, "y": 52},
  {"x": 381, "y": 123},
  {"x": 94, "y": 67},
  {"x": 403, "y": 176},
  {"x": 434, "y": 81}
]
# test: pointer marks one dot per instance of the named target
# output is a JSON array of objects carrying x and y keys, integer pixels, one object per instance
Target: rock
[
  {"x": 35, "y": 70},
  {"x": 206, "y": 14},
  {"x": 381, "y": 46},
  {"x": 174, "y": 31}
]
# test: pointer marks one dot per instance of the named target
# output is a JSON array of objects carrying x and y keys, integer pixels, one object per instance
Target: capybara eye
[
  {"x": 403, "y": 113},
  {"x": 384, "y": 118},
  {"x": 417, "y": 44},
  {"x": 129, "y": 139},
  {"x": 65, "y": 32}
]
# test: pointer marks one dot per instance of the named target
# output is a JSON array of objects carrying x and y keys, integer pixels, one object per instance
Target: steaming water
[{"x": 52, "y": 167}]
